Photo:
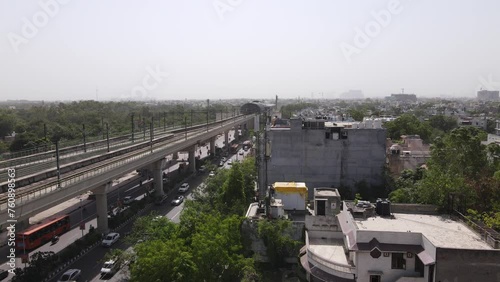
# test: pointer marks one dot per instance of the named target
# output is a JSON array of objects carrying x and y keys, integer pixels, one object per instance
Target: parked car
[
  {"x": 221, "y": 163},
  {"x": 128, "y": 200},
  {"x": 177, "y": 201},
  {"x": 202, "y": 169},
  {"x": 211, "y": 174},
  {"x": 110, "y": 267},
  {"x": 241, "y": 153},
  {"x": 110, "y": 239},
  {"x": 229, "y": 162},
  {"x": 184, "y": 187},
  {"x": 70, "y": 275},
  {"x": 161, "y": 200}
]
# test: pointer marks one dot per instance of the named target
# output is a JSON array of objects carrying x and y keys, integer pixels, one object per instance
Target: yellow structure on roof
[{"x": 291, "y": 188}]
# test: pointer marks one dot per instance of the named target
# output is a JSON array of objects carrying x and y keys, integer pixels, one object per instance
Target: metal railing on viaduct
[{"x": 49, "y": 192}]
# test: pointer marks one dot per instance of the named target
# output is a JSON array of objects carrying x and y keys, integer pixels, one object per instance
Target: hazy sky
[{"x": 201, "y": 49}]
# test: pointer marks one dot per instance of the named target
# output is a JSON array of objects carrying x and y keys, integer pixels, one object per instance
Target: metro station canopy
[{"x": 255, "y": 107}]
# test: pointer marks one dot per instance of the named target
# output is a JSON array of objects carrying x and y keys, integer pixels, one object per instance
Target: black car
[{"x": 160, "y": 200}]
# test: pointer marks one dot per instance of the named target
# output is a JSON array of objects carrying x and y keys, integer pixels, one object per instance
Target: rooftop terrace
[{"x": 440, "y": 230}]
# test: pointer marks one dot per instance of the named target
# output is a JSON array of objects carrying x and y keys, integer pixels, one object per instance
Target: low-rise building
[
  {"x": 399, "y": 247},
  {"x": 411, "y": 154}
]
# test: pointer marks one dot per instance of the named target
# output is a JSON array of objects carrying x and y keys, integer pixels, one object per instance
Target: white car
[
  {"x": 211, "y": 174},
  {"x": 229, "y": 162},
  {"x": 110, "y": 267},
  {"x": 110, "y": 239},
  {"x": 70, "y": 275},
  {"x": 184, "y": 187},
  {"x": 128, "y": 200}
]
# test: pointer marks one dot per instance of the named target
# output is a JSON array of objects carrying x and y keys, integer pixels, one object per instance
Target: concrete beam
[
  {"x": 212, "y": 145},
  {"x": 192, "y": 159},
  {"x": 157, "y": 168},
  {"x": 226, "y": 140},
  {"x": 101, "y": 196}
]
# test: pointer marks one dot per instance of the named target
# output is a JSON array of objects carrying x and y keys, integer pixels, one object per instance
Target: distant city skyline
[{"x": 56, "y": 50}]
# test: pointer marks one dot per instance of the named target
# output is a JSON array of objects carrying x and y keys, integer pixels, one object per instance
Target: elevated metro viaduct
[{"x": 98, "y": 178}]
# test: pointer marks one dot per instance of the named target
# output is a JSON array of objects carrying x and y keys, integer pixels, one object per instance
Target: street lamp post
[
  {"x": 132, "y": 121},
  {"x": 84, "y": 139},
  {"x": 208, "y": 107},
  {"x": 107, "y": 135},
  {"x": 185, "y": 128},
  {"x": 57, "y": 165},
  {"x": 81, "y": 215}
]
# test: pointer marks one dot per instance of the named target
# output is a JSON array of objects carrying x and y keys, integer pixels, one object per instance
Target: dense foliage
[
  {"x": 207, "y": 244},
  {"x": 47, "y": 123},
  {"x": 461, "y": 174}
]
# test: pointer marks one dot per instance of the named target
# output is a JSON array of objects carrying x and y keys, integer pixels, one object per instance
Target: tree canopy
[
  {"x": 207, "y": 244},
  {"x": 460, "y": 169}
]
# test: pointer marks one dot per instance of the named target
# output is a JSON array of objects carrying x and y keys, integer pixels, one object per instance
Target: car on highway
[
  {"x": 110, "y": 239},
  {"x": 202, "y": 169},
  {"x": 160, "y": 200},
  {"x": 184, "y": 187},
  {"x": 177, "y": 201},
  {"x": 110, "y": 267},
  {"x": 128, "y": 200},
  {"x": 211, "y": 174},
  {"x": 70, "y": 275}
]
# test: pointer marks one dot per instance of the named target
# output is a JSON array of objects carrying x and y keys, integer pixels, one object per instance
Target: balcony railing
[{"x": 330, "y": 264}]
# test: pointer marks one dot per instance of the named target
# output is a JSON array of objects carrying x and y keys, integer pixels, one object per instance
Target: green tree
[
  {"x": 279, "y": 244},
  {"x": 408, "y": 124},
  {"x": 159, "y": 260},
  {"x": 357, "y": 114},
  {"x": 443, "y": 123}
]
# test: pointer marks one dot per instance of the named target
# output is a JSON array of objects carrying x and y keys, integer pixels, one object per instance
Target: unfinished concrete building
[{"x": 327, "y": 154}]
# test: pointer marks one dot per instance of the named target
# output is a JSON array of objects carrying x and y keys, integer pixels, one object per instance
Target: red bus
[{"x": 37, "y": 235}]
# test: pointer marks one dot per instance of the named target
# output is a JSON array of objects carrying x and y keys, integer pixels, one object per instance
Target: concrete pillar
[
  {"x": 256, "y": 123},
  {"x": 157, "y": 169},
  {"x": 226, "y": 140},
  {"x": 101, "y": 198},
  {"x": 22, "y": 224},
  {"x": 192, "y": 160},
  {"x": 212, "y": 145}
]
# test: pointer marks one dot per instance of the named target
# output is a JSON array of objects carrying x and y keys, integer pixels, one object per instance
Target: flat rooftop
[
  {"x": 439, "y": 229},
  {"x": 326, "y": 192},
  {"x": 329, "y": 249}
]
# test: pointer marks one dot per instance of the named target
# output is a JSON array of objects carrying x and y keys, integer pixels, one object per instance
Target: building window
[
  {"x": 398, "y": 261},
  {"x": 375, "y": 253},
  {"x": 375, "y": 278}
]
